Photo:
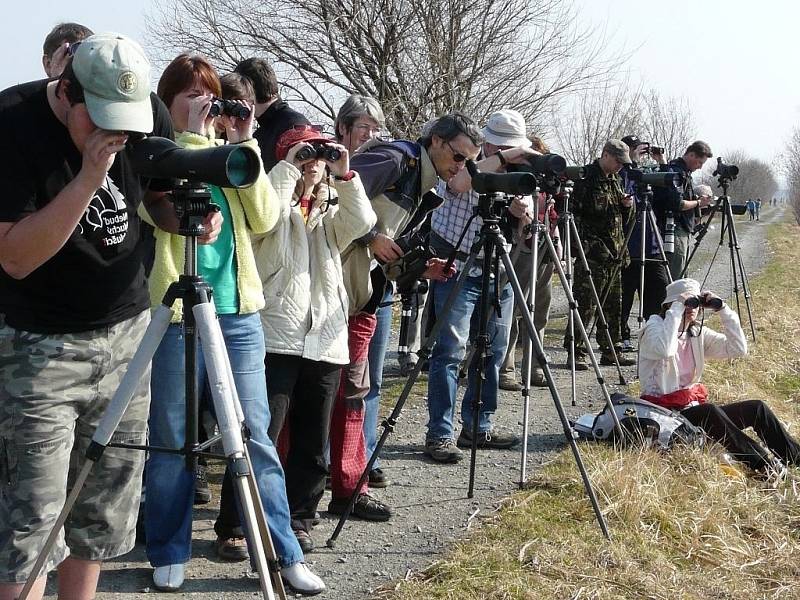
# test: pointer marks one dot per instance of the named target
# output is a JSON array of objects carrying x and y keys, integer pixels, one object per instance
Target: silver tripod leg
[
  {"x": 159, "y": 322},
  {"x": 527, "y": 355},
  {"x": 230, "y": 419}
]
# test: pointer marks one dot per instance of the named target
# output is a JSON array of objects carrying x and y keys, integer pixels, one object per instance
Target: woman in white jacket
[
  {"x": 673, "y": 348},
  {"x": 305, "y": 317}
]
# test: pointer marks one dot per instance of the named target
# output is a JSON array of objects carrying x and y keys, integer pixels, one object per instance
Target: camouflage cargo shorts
[{"x": 53, "y": 391}]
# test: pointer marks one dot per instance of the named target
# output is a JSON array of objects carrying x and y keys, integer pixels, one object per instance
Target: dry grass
[{"x": 682, "y": 526}]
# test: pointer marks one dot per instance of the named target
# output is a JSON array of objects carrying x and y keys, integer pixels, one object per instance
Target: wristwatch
[{"x": 346, "y": 177}]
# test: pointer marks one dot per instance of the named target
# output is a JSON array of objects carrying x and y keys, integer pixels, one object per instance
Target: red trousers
[{"x": 348, "y": 451}]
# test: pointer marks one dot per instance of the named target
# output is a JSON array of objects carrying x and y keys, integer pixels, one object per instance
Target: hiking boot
[
  {"x": 443, "y": 451},
  {"x": 366, "y": 507},
  {"x": 580, "y": 362},
  {"x": 305, "y": 540},
  {"x": 607, "y": 359},
  {"x": 233, "y": 549},
  {"x": 378, "y": 479},
  {"x": 497, "y": 440},
  {"x": 508, "y": 382},
  {"x": 202, "y": 493},
  {"x": 537, "y": 377}
]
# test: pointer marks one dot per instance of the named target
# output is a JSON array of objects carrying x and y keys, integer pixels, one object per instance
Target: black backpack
[{"x": 643, "y": 423}]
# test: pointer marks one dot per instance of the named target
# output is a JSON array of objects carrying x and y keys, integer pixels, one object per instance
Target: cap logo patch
[{"x": 127, "y": 82}]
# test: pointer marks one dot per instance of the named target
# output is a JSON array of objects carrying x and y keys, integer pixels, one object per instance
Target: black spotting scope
[{"x": 232, "y": 165}]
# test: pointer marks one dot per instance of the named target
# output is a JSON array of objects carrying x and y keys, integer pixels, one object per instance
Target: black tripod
[
  {"x": 492, "y": 243},
  {"x": 192, "y": 204},
  {"x": 727, "y": 225}
]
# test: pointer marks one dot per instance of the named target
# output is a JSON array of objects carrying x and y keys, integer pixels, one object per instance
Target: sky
[{"x": 735, "y": 60}]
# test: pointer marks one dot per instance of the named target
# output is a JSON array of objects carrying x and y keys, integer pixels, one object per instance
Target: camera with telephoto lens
[
  {"x": 724, "y": 171},
  {"x": 323, "y": 151},
  {"x": 220, "y": 106},
  {"x": 706, "y": 301},
  {"x": 407, "y": 270}
]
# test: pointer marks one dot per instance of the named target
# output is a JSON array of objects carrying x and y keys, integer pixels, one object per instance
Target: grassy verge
[{"x": 682, "y": 526}]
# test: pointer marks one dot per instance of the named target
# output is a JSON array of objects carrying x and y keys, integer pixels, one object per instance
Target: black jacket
[
  {"x": 278, "y": 118},
  {"x": 668, "y": 199}
]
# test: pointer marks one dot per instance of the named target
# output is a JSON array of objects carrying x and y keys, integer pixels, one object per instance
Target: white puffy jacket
[{"x": 301, "y": 270}]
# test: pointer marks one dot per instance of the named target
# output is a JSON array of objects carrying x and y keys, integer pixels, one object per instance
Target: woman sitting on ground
[{"x": 673, "y": 348}]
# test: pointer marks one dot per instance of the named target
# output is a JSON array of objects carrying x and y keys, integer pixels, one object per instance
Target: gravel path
[{"x": 430, "y": 499}]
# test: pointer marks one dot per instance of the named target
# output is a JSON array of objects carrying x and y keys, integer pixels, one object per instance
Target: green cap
[{"x": 115, "y": 75}]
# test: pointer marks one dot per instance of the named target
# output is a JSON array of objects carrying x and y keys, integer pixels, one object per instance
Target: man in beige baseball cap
[{"x": 74, "y": 296}]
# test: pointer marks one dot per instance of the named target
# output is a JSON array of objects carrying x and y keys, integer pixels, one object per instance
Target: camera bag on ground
[{"x": 643, "y": 423}]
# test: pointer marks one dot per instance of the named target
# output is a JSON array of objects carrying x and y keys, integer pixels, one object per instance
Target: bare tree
[
  {"x": 419, "y": 58},
  {"x": 611, "y": 111},
  {"x": 791, "y": 169},
  {"x": 756, "y": 177},
  {"x": 666, "y": 121}
]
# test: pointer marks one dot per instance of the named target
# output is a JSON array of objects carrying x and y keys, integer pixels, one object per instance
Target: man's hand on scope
[
  {"x": 99, "y": 152},
  {"x": 385, "y": 249},
  {"x": 436, "y": 270},
  {"x": 212, "y": 225},
  {"x": 520, "y": 155},
  {"x": 520, "y": 208}
]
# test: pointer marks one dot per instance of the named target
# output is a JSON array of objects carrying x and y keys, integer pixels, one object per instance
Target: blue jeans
[
  {"x": 461, "y": 324},
  {"x": 169, "y": 486},
  {"x": 377, "y": 355}
]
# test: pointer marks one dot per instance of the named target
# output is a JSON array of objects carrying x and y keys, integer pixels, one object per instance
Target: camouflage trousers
[
  {"x": 53, "y": 391},
  {"x": 602, "y": 271}
]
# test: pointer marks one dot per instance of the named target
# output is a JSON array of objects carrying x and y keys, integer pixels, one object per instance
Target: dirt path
[{"x": 430, "y": 499}]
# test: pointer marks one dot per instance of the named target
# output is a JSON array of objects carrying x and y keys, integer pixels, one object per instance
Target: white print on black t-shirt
[{"x": 106, "y": 218}]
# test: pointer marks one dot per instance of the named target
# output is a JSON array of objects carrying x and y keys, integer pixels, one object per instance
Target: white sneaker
[
  {"x": 302, "y": 580},
  {"x": 168, "y": 578}
]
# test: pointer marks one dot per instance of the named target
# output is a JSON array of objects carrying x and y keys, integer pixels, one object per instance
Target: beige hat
[
  {"x": 115, "y": 75},
  {"x": 618, "y": 149},
  {"x": 506, "y": 127},
  {"x": 679, "y": 287}
]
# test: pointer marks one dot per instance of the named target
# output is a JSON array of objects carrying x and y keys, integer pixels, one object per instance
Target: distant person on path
[
  {"x": 758, "y": 209},
  {"x": 751, "y": 209}
]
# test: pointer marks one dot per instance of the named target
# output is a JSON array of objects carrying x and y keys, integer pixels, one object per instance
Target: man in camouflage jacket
[{"x": 601, "y": 208}]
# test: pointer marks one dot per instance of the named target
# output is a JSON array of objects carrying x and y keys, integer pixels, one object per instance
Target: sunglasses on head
[{"x": 73, "y": 48}]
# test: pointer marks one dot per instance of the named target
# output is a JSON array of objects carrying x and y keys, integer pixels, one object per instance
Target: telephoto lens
[{"x": 669, "y": 235}]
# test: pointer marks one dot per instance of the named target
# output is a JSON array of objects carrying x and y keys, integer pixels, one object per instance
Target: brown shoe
[
  {"x": 508, "y": 382},
  {"x": 233, "y": 549}
]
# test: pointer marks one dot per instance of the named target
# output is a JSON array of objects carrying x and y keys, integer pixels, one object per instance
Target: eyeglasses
[
  {"x": 457, "y": 156},
  {"x": 367, "y": 128}
]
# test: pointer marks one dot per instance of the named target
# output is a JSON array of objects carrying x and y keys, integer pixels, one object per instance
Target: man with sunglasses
[
  {"x": 505, "y": 142},
  {"x": 396, "y": 176},
  {"x": 601, "y": 209},
  {"x": 74, "y": 295}
]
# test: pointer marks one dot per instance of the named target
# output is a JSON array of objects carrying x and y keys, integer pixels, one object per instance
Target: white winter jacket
[
  {"x": 658, "y": 348},
  {"x": 301, "y": 271}
]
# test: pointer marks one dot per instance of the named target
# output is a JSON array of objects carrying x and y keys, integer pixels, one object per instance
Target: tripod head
[
  {"x": 725, "y": 174},
  {"x": 192, "y": 202}
]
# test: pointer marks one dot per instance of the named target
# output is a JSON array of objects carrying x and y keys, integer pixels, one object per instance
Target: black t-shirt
[{"x": 97, "y": 278}]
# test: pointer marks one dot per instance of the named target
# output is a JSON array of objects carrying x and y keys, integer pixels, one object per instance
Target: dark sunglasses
[{"x": 457, "y": 156}]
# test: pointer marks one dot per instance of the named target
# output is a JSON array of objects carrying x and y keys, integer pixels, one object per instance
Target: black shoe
[
  {"x": 487, "y": 439},
  {"x": 202, "y": 494},
  {"x": 624, "y": 361},
  {"x": 305, "y": 540},
  {"x": 378, "y": 479},
  {"x": 366, "y": 507}
]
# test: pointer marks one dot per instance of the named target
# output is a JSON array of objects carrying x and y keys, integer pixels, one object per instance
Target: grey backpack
[{"x": 643, "y": 423}]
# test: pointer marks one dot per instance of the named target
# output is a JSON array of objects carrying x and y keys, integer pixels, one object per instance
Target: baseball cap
[
  {"x": 506, "y": 127},
  {"x": 632, "y": 141},
  {"x": 299, "y": 133},
  {"x": 618, "y": 149},
  {"x": 115, "y": 75}
]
